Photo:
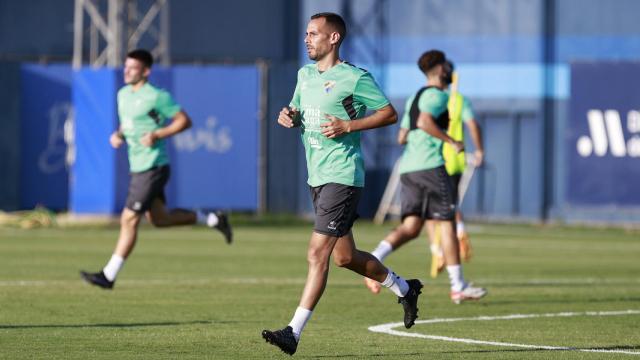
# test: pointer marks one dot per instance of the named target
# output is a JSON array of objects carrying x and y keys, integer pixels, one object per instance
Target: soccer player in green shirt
[
  {"x": 328, "y": 106},
  {"x": 143, "y": 109},
  {"x": 426, "y": 189}
]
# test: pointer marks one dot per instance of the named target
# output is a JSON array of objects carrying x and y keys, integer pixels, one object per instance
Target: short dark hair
[
  {"x": 335, "y": 21},
  {"x": 143, "y": 56},
  {"x": 431, "y": 59}
]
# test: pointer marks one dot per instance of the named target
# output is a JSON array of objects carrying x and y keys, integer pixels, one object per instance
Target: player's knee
[
  {"x": 411, "y": 231},
  {"x": 316, "y": 257},
  {"x": 342, "y": 260},
  {"x": 129, "y": 220}
]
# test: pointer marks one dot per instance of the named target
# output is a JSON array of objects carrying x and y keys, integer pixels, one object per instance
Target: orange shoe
[
  {"x": 465, "y": 246},
  {"x": 372, "y": 285}
]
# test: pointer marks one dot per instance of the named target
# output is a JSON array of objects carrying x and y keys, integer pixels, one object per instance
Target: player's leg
[
  {"x": 442, "y": 209},
  {"x": 141, "y": 192},
  {"x": 335, "y": 211},
  {"x": 345, "y": 254},
  {"x": 463, "y": 237},
  {"x": 158, "y": 214},
  {"x": 327, "y": 221},
  {"x": 408, "y": 230},
  {"x": 412, "y": 208}
]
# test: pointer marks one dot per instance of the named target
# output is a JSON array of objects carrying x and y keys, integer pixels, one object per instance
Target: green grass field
[{"x": 185, "y": 294}]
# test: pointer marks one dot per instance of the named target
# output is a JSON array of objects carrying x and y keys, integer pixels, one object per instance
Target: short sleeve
[
  {"x": 295, "y": 100},
  {"x": 166, "y": 106},
  {"x": 467, "y": 110},
  {"x": 433, "y": 102},
  {"x": 367, "y": 92}
]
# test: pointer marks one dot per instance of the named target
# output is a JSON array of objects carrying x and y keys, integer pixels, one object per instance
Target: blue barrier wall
[
  {"x": 95, "y": 172},
  {"x": 45, "y": 106},
  {"x": 220, "y": 151}
]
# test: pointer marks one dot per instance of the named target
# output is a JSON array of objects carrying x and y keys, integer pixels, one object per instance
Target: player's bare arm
[
  {"x": 336, "y": 127},
  {"x": 428, "y": 125},
  {"x": 402, "y": 136},
  {"x": 179, "y": 123},
  {"x": 476, "y": 137}
]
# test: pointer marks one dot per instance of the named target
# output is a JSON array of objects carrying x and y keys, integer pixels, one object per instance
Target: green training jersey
[
  {"x": 423, "y": 151},
  {"x": 345, "y": 92},
  {"x": 140, "y": 112}
]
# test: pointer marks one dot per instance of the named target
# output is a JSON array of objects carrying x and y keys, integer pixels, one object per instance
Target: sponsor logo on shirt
[
  {"x": 314, "y": 143},
  {"x": 328, "y": 86}
]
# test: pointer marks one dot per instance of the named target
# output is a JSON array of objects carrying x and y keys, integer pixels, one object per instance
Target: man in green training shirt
[
  {"x": 143, "y": 109},
  {"x": 426, "y": 189},
  {"x": 329, "y": 105}
]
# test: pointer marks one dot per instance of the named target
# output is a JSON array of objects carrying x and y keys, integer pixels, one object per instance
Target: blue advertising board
[
  {"x": 45, "y": 107},
  {"x": 603, "y": 135},
  {"x": 215, "y": 163}
]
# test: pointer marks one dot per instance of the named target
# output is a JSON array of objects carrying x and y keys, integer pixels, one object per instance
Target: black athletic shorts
[
  {"x": 455, "y": 183},
  {"x": 427, "y": 194},
  {"x": 335, "y": 207},
  {"x": 146, "y": 186}
]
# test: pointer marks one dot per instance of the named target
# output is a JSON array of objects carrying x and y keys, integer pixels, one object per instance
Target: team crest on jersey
[{"x": 328, "y": 86}]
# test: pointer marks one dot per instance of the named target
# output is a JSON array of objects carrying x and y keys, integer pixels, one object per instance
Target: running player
[
  {"x": 143, "y": 110},
  {"x": 329, "y": 105},
  {"x": 426, "y": 191}
]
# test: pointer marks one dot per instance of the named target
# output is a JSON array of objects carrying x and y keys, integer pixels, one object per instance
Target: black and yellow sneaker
[
  {"x": 97, "y": 279},
  {"x": 410, "y": 302},
  {"x": 284, "y": 339}
]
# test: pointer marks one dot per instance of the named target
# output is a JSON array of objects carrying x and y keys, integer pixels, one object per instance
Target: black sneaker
[
  {"x": 410, "y": 302},
  {"x": 283, "y": 339},
  {"x": 223, "y": 226},
  {"x": 97, "y": 279}
]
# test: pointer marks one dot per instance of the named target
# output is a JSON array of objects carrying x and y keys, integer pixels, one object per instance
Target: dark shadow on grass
[{"x": 117, "y": 325}]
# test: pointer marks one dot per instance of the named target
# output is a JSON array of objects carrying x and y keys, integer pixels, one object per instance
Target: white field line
[
  {"x": 301, "y": 281},
  {"x": 389, "y": 329}
]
